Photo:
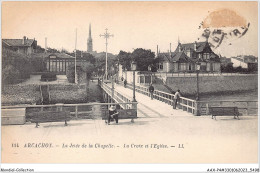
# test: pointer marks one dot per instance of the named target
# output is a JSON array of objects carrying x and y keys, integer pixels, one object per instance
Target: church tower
[{"x": 90, "y": 44}]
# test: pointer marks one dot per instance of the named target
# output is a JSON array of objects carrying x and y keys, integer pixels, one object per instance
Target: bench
[
  {"x": 224, "y": 111},
  {"x": 122, "y": 114},
  {"x": 50, "y": 116}
]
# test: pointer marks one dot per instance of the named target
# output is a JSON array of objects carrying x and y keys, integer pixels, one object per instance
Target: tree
[
  {"x": 143, "y": 58},
  {"x": 84, "y": 71},
  {"x": 17, "y": 63},
  {"x": 124, "y": 59},
  {"x": 39, "y": 49},
  {"x": 10, "y": 75}
]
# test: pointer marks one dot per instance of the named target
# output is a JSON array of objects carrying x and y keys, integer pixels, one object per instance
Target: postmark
[{"x": 222, "y": 26}]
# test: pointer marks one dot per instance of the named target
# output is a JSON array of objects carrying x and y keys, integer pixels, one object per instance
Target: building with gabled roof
[
  {"x": 245, "y": 62},
  {"x": 25, "y": 46},
  {"x": 185, "y": 57}
]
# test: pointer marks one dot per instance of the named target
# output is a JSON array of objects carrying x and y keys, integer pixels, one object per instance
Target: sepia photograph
[{"x": 130, "y": 82}]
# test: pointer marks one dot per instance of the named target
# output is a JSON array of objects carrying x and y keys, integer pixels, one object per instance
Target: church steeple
[
  {"x": 90, "y": 44},
  {"x": 89, "y": 31}
]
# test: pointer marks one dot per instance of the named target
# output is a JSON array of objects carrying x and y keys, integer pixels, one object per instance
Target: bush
[
  {"x": 38, "y": 64},
  {"x": 70, "y": 73},
  {"x": 48, "y": 77},
  {"x": 16, "y": 66},
  {"x": 10, "y": 75}
]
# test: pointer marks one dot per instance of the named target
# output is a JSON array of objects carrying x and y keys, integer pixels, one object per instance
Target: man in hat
[
  {"x": 151, "y": 90},
  {"x": 112, "y": 114},
  {"x": 176, "y": 99}
]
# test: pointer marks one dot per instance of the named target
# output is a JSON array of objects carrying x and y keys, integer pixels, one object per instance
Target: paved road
[
  {"x": 150, "y": 108},
  {"x": 225, "y": 140}
]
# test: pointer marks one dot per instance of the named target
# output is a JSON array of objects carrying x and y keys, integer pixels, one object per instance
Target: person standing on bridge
[
  {"x": 112, "y": 114},
  {"x": 176, "y": 98},
  {"x": 125, "y": 82},
  {"x": 151, "y": 90}
]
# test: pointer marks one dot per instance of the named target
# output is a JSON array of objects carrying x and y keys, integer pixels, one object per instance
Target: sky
[{"x": 133, "y": 24}]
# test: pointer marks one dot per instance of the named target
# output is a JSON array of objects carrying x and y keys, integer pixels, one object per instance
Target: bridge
[
  {"x": 162, "y": 104},
  {"x": 144, "y": 107}
]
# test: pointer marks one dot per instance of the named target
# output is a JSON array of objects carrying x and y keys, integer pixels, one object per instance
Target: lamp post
[
  {"x": 197, "y": 108},
  {"x": 113, "y": 87},
  {"x": 117, "y": 74},
  {"x": 106, "y": 35},
  {"x": 197, "y": 70},
  {"x": 133, "y": 68},
  {"x": 149, "y": 70}
]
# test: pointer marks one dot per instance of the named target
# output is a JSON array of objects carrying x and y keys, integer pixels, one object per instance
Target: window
[
  {"x": 189, "y": 67},
  {"x": 182, "y": 66},
  {"x": 160, "y": 66},
  {"x": 206, "y": 55}
]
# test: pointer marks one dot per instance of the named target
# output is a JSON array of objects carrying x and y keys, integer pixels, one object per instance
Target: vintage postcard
[{"x": 130, "y": 82}]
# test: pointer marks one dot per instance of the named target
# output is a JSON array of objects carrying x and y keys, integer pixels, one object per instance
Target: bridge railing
[
  {"x": 186, "y": 104},
  {"x": 118, "y": 97},
  {"x": 77, "y": 111},
  {"x": 200, "y": 107}
]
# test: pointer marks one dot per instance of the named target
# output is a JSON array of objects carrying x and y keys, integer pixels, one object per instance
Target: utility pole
[
  {"x": 76, "y": 77},
  {"x": 106, "y": 35}
]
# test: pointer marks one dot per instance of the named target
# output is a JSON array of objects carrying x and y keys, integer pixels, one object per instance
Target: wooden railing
[
  {"x": 186, "y": 104},
  {"x": 82, "y": 110},
  {"x": 200, "y": 107},
  {"x": 189, "y": 74},
  {"x": 118, "y": 97}
]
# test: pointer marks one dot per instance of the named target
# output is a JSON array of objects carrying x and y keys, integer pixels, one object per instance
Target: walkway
[{"x": 150, "y": 108}]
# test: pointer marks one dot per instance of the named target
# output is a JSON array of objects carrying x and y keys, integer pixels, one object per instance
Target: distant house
[
  {"x": 185, "y": 57},
  {"x": 245, "y": 62},
  {"x": 25, "y": 46}
]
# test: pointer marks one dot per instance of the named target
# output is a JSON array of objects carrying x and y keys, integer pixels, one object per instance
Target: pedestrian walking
[
  {"x": 151, "y": 90},
  {"x": 176, "y": 98},
  {"x": 125, "y": 83},
  {"x": 112, "y": 114}
]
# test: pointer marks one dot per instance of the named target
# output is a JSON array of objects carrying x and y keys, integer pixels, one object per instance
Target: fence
[
  {"x": 77, "y": 111},
  {"x": 118, "y": 97},
  {"x": 186, "y": 104},
  {"x": 186, "y": 74},
  {"x": 200, "y": 107}
]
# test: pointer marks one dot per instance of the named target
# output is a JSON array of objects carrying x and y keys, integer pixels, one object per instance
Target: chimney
[
  {"x": 170, "y": 48},
  {"x": 157, "y": 51},
  {"x": 179, "y": 47},
  {"x": 195, "y": 46},
  {"x": 45, "y": 44},
  {"x": 23, "y": 41}
]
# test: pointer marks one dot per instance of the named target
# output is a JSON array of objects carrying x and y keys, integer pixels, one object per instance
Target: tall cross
[{"x": 106, "y": 35}]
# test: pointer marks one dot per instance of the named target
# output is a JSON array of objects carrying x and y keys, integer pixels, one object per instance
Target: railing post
[
  {"x": 246, "y": 108},
  {"x": 76, "y": 111},
  {"x": 59, "y": 106},
  {"x": 197, "y": 108}
]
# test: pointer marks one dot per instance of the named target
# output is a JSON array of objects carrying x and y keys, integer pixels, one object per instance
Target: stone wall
[{"x": 213, "y": 84}]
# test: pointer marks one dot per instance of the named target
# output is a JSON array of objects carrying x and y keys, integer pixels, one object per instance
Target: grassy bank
[
  {"x": 20, "y": 94},
  {"x": 59, "y": 93}
]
